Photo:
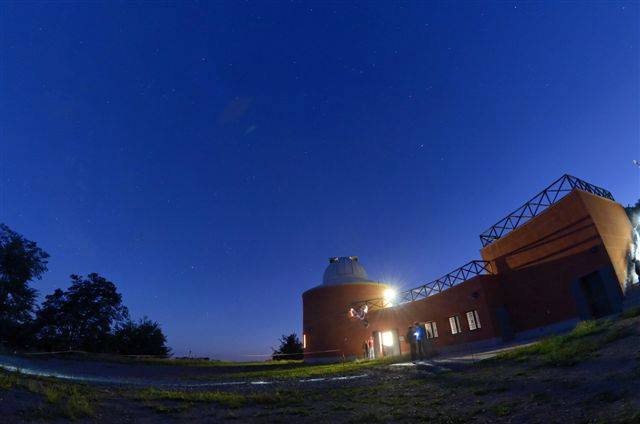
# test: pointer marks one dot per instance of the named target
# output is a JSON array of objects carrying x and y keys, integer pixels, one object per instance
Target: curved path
[
  {"x": 152, "y": 375},
  {"x": 144, "y": 375}
]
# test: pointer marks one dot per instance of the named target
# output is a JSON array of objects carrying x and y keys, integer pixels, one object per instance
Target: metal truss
[
  {"x": 457, "y": 276},
  {"x": 541, "y": 201}
]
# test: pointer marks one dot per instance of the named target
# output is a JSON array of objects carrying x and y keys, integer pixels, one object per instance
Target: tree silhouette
[
  {"x": 142, "y": 338},
  {"x": 290, "y": 348},
  {"x": 21, "y": 261},
  {"x": 82, "y": 317}
]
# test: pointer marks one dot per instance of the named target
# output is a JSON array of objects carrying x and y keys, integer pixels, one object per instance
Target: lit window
[
  {"x": 304, "y": 341},
  {"x": 473, "y": 319},
  {"x": 387, "y": 338},
  {"x": 454, "y": 322},
  {"x": 432, "y": 329}
]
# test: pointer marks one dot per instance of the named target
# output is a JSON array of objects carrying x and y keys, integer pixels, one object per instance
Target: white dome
[{"x": 344, "y": 270}]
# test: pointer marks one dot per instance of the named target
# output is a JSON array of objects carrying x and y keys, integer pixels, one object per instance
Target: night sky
[{"x": 209, "y": 157}]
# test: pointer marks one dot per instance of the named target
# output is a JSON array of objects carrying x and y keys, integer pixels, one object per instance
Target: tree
[
  {"x": 21, "y": 261},
  {"x": 142, "y": 338},
  {"x": 81, "y": 318},
  {"x": 290, "y": 348}
]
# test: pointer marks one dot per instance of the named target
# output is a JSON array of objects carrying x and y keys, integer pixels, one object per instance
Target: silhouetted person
[
  {"x": 365, "y": 349},
  {"x": 411, "y": 339},
  {"x": 420, "y": 335}
]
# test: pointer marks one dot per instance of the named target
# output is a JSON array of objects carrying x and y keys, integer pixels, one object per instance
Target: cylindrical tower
[{"x": 328, "y": 332}]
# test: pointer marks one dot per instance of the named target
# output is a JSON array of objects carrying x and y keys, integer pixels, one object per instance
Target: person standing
[
  {"x": 411, "y": 339},
  {"x": 365, "y": 349},
  {"x": 372, "y": 352},
  {"x": 420, "y": 335}
]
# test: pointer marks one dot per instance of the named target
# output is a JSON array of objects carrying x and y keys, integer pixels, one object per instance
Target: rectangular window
[
  {"x": 304, "y": 341},
  {"x": 474, "y": 320},
  {"x": 432, "y": 329},
  {"x": 454, "y": 322}
]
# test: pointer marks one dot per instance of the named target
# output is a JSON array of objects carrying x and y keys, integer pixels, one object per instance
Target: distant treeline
[{"x": 88, "y": 316}]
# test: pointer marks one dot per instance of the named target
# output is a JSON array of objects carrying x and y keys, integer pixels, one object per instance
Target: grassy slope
[
  {"x": 52, "y": 399},
  {"x": 559, "y": 379},
  {"x": 589, "y": 375}
]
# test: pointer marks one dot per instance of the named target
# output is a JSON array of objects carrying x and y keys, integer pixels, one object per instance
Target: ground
[{"x": 590, "y": 375}]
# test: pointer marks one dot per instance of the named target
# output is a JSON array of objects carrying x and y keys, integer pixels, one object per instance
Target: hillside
[{"x": 589, "y": 375}]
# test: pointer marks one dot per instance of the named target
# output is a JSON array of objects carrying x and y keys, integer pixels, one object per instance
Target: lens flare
[
  {"x": 634, "y": 251},
  {"x": 389, "y": 296}
]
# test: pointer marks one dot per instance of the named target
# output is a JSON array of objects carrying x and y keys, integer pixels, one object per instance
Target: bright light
[
  {"x": 387, "y": 338},
  {"x": 389, "y": 296},
  {"x": 634, "y": 250}
]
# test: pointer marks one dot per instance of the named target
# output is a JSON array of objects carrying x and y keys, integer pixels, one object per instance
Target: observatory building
[{"x": 561, "y": 257}]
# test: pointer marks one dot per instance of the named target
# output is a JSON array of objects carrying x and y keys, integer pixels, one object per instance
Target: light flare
[
  {"x": 389, "y": 295},
  {"x": 634, "y": 251}
]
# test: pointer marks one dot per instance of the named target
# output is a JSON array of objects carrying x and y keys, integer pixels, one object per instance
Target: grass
[
  {"x": 571, "y": 348},
  {"x": 221, "y": 364},
  {"x": 319, "y": 370},
  {"x": 504, "y": 409},
  {"x": 78, "y": 405},
  {"x": 563, "y": 350},
  {"x": 539, "y": 397},
  {"x": 630, "y": 313},
  {"x": 226, "y": 399},
  {"x": 103, "y": 357},
  {"x": 607, "y": 397},
  {"x": 495, "y": 389},
  {"x": 52, "y": 394},
  {"x": 8, "y": 380},
  {"x": 163, "y": 408},
  {"x": 488, "y": 390},
  {"x": 616, "y": 334},
  {"x": 68, "y": 400}
]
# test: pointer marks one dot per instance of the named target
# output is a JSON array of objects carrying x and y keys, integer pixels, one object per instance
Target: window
[
  {"x": 454, "y": 322},
  {"x": 474, "y": 320},
  {"x": 432, "y": 329}
]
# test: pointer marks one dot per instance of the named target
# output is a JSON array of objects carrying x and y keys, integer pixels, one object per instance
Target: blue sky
[{"x": 209, "y": 157}]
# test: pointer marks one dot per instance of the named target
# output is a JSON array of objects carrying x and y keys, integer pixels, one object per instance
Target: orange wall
[
  {"x": 560, "y": 231},
  {"x": 614, "y": 229},
  {"x": 538, "y": 262},
  {"x": 326, "y": 323},
  {"x": 535, "y": 267},
  {"x": 474, "y": 294},
  {"x": 328, "y": 326}
]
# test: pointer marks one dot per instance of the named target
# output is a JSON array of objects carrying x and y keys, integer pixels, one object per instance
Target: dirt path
[{"x": 149, "y": 375}]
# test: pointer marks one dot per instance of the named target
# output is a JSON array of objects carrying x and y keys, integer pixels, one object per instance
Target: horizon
[{"x": 208, "y": 159}]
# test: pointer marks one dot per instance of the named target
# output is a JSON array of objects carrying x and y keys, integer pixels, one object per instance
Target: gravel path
[{"x": 150, "y": 375}]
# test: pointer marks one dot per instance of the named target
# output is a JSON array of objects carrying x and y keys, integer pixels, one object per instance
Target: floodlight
[{"x": 389, "y": 296}]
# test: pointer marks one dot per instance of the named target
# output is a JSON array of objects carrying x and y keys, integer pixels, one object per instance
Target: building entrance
[
  {"x": 386, "y": 343},
  {"x": 598, "y": 303}
]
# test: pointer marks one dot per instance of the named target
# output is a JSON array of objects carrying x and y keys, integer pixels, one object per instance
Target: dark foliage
[
  {"x": 140, "y": 338},
  {"x": 88, "y": 316},
  {"x": 21, "y": 261},
  {"x": 290, "y": 348},
  {"x": 82, "y": 317}
]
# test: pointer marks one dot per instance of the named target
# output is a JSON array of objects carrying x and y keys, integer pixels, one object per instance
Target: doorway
[
  {"x": 386, "y": 343},
  {"x": 504, "y": 323},
  {"x": 595, "y": 294}
]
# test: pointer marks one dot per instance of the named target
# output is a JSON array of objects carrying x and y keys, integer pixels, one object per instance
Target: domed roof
[{"x": 344, "y": 270}]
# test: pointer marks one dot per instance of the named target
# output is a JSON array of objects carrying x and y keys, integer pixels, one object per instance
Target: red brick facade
[{"x": 536, "y": 283}]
